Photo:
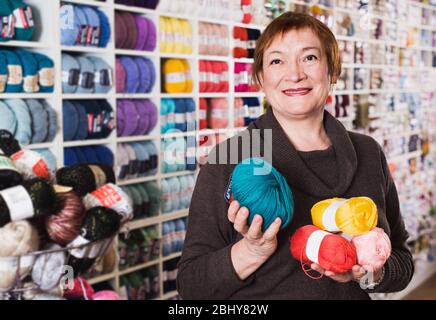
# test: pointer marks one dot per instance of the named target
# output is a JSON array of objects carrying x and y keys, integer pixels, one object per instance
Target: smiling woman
[{"x": 296, "y": 62}]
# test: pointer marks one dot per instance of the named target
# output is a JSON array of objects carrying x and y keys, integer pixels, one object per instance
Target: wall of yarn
[
  {"x": 84, "y": 26},
  {"x": 89, "y": 154},
  {"x": 213, "y": 39},
  {"x": 146, "y": 199},
  {"x": 138, "y": 246},
  {"x": 244, "y": 42},
  {"x": 26, "y": 71},
  {"x": 243, "y": 80},
  {"x": 214, "y": 113},
  {"x": 177, "y": 115},
  {"x": 176, "y": 76},
  {"x": 87, "y": 119},
  {"x": 169, "y": 275},
  {"x": 30, "y": 120},
  {"x": 86, "y": 74},
  {"x": 173, "y": 236},
  {"x": 134, "y": 32},
  {"x": 178, "y": 154},
  {"x": 252, "y": 109},
  {"x": 175, "y": 35},
  {"x": 176, "y": 193},
  {"x": 136, "y": 117},
  {"x": 213, "y": 76},
  {"x": 136, "y": 159},
  {"x": 18, "y": 21},
  {"x": 134, "y": 74},
  {"x": 140, "y": 285}
]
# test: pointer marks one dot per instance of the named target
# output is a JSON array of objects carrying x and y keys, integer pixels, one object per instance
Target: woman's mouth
[{"x": 297, "y": 91}]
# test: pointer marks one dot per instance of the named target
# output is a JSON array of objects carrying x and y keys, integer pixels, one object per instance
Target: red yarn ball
[{"x": 336, "y": 253}]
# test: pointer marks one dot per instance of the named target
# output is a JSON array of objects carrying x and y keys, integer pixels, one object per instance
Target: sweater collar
[{"x": 285, "y": 157}]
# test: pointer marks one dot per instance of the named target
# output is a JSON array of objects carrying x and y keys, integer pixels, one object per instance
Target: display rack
[{"x": 48, "y": 42}]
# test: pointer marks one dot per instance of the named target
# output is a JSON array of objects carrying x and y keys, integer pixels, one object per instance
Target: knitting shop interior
[{"x": 110, "y": 110}]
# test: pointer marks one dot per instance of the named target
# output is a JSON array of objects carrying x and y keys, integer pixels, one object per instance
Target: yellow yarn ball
[
  {"x": 189, "y": 83},
  {"x": 174, "y": 76},
  {"x": 179, "y": 42},
  {"x": 187, "y": 35},
  {"x": 163, "y": 46},
  {"x": 353, "y": 216}
]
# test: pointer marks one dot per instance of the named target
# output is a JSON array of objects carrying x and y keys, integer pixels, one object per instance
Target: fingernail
[
  {"x": 257, "y": 218},
  {"x": 277, "y": 220}
]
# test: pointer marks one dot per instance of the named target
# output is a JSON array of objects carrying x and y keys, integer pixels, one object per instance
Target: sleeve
[
  {"x": 205, "y": 268},
  {"x": 399, "y": 268}
]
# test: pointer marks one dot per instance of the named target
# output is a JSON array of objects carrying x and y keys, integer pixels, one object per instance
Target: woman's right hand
[{"x": 256, "y": 246}]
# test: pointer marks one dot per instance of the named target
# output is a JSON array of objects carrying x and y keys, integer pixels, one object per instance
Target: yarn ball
[
  {"x": 9, "y": 175},
  {"x": 85, "y": 178},
  {"x": 48, "y": 267},
  {"x": 257, "y": 185},
  {"x": 30, "y": 164},
  {"x": 64, "y": 226},
  {"x": 373, "y": 249},
  {"x": 353, "y": 216},
  {"x": 331, "y": 251},
  {"x": 16, "y": 240},
  {"x": 106, "y": 295},
  {"x": 81, "y": 290}
]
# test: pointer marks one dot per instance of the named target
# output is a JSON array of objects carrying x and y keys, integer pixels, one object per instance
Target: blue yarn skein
[
  {"x": 70, "y": 26},
  {"x": 39, "y": 121},
  {"x": 7, "y": 120},
  {"x": 258, "y": 186},
  {"x": 52, "y": 121},
  {"x": 20, "y": 109},
  {"x": 105, "y": 33}
]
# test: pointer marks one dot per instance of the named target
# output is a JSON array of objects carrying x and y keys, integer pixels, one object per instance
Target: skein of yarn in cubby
[
  {"x": 332, "y": 252},
  {"x": 203, "y": 113},
  {"x": 176, "y": 76},
  {"x": 175, "y": 35},
  {"x": 353, "y": 216},
  {"x": 252, "y": 110},
  {"x": 239, "y": 112},
  {"x": 218, "y": 115},
  {"x": 19, "y": 239},
  {"x": 258, "y": 186}
]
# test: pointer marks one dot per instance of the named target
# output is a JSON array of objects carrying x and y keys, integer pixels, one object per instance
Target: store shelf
[
  {"x": 248, "y": 94},
  {"x": 139, "y": 267},
  {"x": 80, "y": 49},
  {"x": 102, "y": 4},
  {"x": 243, "y": 60},
  {"x": 170, "y": 295},
  {"x": 214, "y": 58},
  {"x": 26, "y": 95},
  {"x": 178, "y": 134},
  {"x": 177, "y": 56},
  {"x": 213, "y": 20},
  {"x": 172, "y": 256},
  {"x": 248, "y": 25},
  {"x": 25, "y": 44},
  {"x": 176, "y": 174},
  {"x": 177, "y": 95},
  {"x": 85, "y": 96},
  {"x": 136, "y": 180},
  {"x": 102, "y": 278},
  {"x": 151, "y": 221},
  {"x": 137, "y": 138},
  {"x": 91, "y": 142},
  {"x": 137, "y": 53},
  {"x": 135, "y": 95},
  {"x": 44, "y": 145},
  {"x": 176, "y": 15},
  {"x": 134, "y": 9}
]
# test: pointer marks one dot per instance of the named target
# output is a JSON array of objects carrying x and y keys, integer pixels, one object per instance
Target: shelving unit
[{"x": 48, "y": 42}]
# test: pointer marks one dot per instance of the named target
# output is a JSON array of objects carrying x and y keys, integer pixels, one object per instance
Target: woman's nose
[{"x": 295, "y": 72}]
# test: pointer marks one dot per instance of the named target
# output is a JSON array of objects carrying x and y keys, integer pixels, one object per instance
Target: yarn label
[
  {"x": 254, "y": 112},
  {"x": 251, "y": 44},
  {"x": 23, "y": 18},
  {"x": 202, "y": 114},
  {"x": 175, "y": 77},
  {"x": 99, "y": 175},
  {"x": 180, "y": 117},
  {"x": 3, "y": 80},
  {"x": 228, "y": 196},
  {"x": 108, "y": 196},
  {"x": 30, "y": 84},
  {"x": 219, "y": 113},
  {"x": 46, "y": 77},
  {"x": 15, "y": 74},
  {"x": 19, "y": 203},
  {"x": 86, "y": 80},
  {"x": 7, "y": 27},
  {"x": 90, "y": 252},
  {"x": 103, "y": 77},
  {"x": 314, "y": 243},
  {"x": 36, "y": 162},
  {"x": 7, "y": 164},
  {"x": 329, "y": 216}
]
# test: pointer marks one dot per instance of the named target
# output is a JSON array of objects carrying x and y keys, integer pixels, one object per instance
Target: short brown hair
[{"x": 295, "y": 21}]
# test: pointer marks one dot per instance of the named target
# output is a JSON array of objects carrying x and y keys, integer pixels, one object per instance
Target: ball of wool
[
  {"x": 82, "y": 290},
  {"x": 142, "y": 29},
  {"x": 105, "y": 32},
  {"x": 163, "y": 115},
  {"x": 95, "y": 119},
  {"x": 9, "y": 175},
  {"x": 46, "y": 72},
  {"x": 30, "y": 71},
  {"x": 174, "y": 76},
  {"x": 144, "y": 74},
  {"x": 31, "y": 164},
  {"x": 48, "y": 267},
  {"x": 80, "y": 15},
  {"x": 164, "y": 39},
  {"x": 131, "y": 34},
  {"x": 39, "y": 121},
  {"x": 180, "y": 115},
  {"x": 166, "y": 202},
  {"x": 203, "y": 113},
  {"x": 103, "y": 78},
  {"x": 152, "y": 115},
  {"x": 218, "y": 117},
  {"x": 175, "y": 192},
  {"x": 353, "y": 216},
  {"x": 155, "y": 195},
  {"x": 188, "y": 76},
  {"x": 8, "y": 121},
  {"x": 23, "y": 131},
  {"x": 49, "y": 159},
  {"x": 332, "y": 252},
  {"x": 132, "y": 74},
  {"x": 81, "y": 157},
  {"x": 113, "y": 197},
  {"x": 106, "y": 295},
  {"x": 143, "y": 158},
  {"x": 373, "y": 249},
  {"x": 24, "y": 25},
  {"x": 153, "y": 152},
  {"x": 93, "y": 34},
  {"x": 108, "y": 118},
  {"x": 70, "y": 120},
  {"x": 122, "y": 167},
  {"x": 82, "y": 128},
  {"x": 70, "y": 30},
  {"x": 150, "y": 44},
  {"x": 17, "y": 239},
  {"x": 120, "y": 31},
  {"x": 145, "y": 207},
  {"x": 191, "y": 148},
  {"x": 128, "y": 118},
  {"x": 70, "y": 157},
  {"x": 258, "y": 186},
  {"x": 86, "y": 78},
  {"x": 152, "y": 74},
  {"x": 15, "y": 72},
  {"x": 133, "y": 160},
  {"x": 3, "y": 72},
  {"x": 171, "y": 114},
  {"x": 120, "y": 76},
  {"x": 52, "y": 120},
  {"x": 6, "y": 16},
  {"x": 85, "y": 178},
  {"x": 187, "y": 36},
  {"x": 136, "y": 201},
  {"x": 143, "y": 118},
  {"x": 90, "y": 154}
]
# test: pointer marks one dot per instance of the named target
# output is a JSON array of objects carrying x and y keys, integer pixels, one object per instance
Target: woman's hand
[
  {"x": 255, "y": 247},
  {"x": 356, "y": 273}
]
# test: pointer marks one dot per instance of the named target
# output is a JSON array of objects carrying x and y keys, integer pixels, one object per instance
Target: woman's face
[{"x": 295, "y": 74}]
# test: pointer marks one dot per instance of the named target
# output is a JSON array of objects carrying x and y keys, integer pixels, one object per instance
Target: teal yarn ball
[{"x": 258, "y": 186}]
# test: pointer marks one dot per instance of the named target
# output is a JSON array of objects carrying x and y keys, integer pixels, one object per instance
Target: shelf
[
  {"x": 139, "y": 267},
  {"x": 177, "y": 174},
  {"x": 151, "y": 221},
  {"x": 23, "y": 95},
  {"x": 171, "y": 256},
  {"x": 170, "y": 295},
  {"x": 137, "y": 53},
  {"x": 102, "y": 4},
  {"x": 178, "y": 134},
  {"x": 136, "y": 180},
  {"x": 86, "y": 96},
  {"x": 134, "y": 9},
  {"x": 214, "y": 20},
  {"x": 176, "y": 15},
  {"x": 80, "y": 49},
  {"x": 137, "y": 138},
  {"x": 177, "y": 95},
  {"x": 25, "y": 44},
  {"x": 135, "y": 95},
  {"x": 177, "y": 55},
  {"x": 102, "y": 278},
  {"x": 82, "y": 143},
  {"x": 243, "y": 60},
  {"x": 206, "y": 132},
  {"x": 248, "y": 94},
  {"x": 213, "y": 58},
  {"x": 44, "y": 145}
]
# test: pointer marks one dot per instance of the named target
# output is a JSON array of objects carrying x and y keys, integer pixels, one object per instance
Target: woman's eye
[
  {"x": 275, "y": 61},
  {"x": 311, "y": 58}
]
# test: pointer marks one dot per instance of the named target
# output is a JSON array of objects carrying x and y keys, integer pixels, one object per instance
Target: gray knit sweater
[{"x": 359, "y": 169}]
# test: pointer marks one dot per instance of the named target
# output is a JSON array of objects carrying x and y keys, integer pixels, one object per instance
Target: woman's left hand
[{"x": 356, "y": 273}]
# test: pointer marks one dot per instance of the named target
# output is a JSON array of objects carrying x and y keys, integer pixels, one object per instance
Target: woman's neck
[{"x": 306, "y": 134}]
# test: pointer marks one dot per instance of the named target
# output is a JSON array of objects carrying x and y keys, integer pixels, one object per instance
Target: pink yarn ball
[
  {"x": 106, "y": 295},
  {"x": 373, "y": 249}
]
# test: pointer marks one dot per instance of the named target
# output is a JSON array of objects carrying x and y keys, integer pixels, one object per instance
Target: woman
[{"x": 296, "y": 63}]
